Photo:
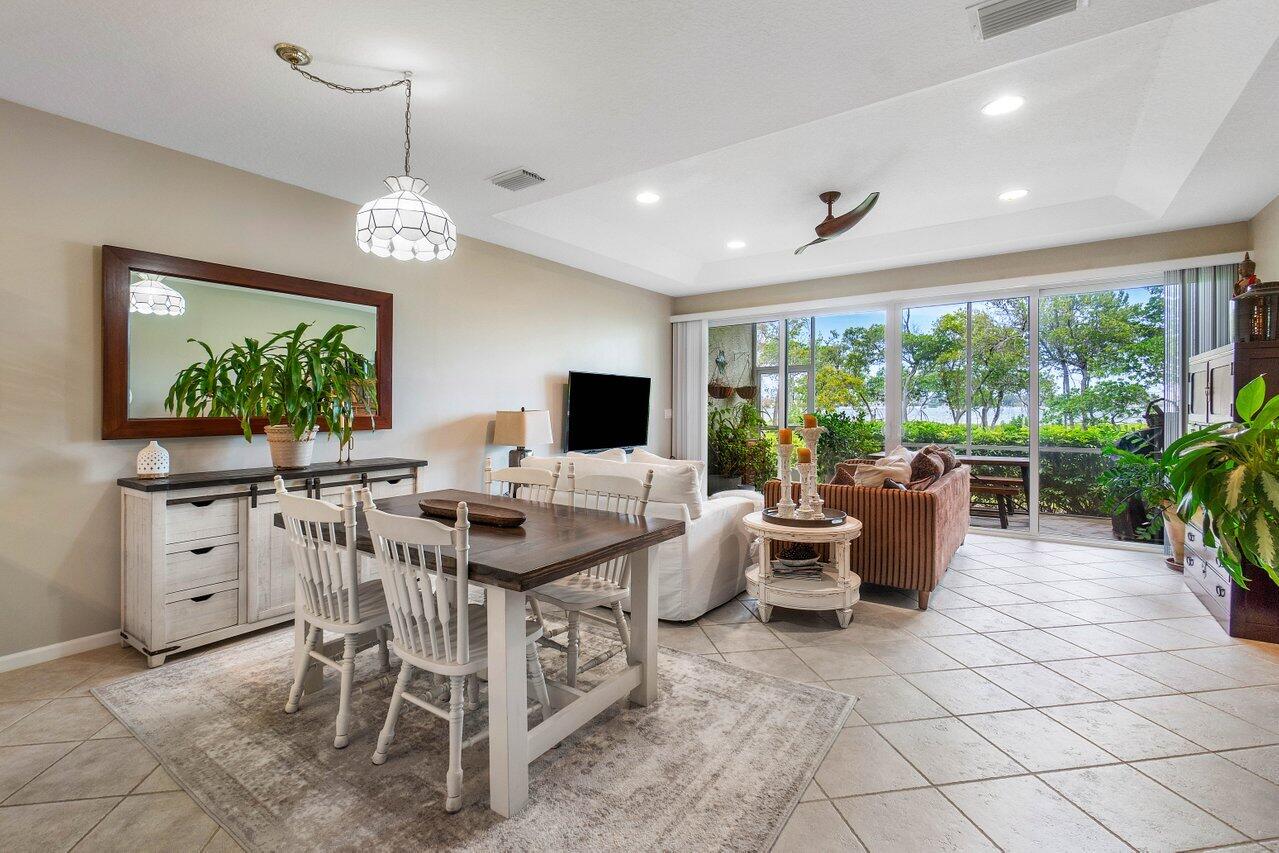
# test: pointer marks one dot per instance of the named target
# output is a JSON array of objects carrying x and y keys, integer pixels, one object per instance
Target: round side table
[{"x": 837, "y": 588}]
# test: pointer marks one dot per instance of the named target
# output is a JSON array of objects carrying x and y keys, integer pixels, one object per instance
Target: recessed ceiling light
[
  {"x": 1013, "y": 195},
  {"x": 1004, "y": 105},
  {"x": 736, "y": 244},
  {"x": 648, "y": 197}
]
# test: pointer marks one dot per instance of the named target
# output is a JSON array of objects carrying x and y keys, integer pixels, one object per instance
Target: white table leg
[
  {"x": 643, "y": 647},
  {"x": 508, "y": 702}
]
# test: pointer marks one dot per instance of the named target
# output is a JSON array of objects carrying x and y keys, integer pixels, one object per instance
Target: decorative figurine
[{"x": 1247, "y": 276}]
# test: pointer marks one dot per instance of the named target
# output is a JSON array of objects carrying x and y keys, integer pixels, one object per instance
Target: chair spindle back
[
  {"x": 610, "y": 493},
  {"x": 530, "y": 484},
  {"x": 327, "y": 571},
  {"x": 428, "y": 608}
]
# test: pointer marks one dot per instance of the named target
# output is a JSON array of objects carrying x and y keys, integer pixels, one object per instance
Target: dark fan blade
[
  {"x": 806, "y": 245},
  {"x": 840, "y": 224}
]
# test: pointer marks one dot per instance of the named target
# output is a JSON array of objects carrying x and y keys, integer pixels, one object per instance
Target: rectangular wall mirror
[{"x": 153, "y": 304}]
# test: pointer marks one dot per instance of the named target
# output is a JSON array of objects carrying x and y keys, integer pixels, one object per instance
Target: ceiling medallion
[{"x": 403, "y": 224}]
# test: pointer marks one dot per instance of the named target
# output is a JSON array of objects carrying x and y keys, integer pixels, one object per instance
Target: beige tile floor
[{"x": 1056, "y": 697}]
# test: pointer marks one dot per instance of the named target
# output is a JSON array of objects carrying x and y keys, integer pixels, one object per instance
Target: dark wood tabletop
[
  {"x": 554, "y": 542},
  {"x": 245, "y": 476}
]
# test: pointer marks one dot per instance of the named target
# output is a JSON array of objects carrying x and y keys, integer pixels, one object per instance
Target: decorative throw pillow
[
  {"x": 926, "y": 464},
  {"x": 875, "y": 473},
  {"x": 901, "y": 452},
  {"x": 844, "y": 472},
  {"x": 948, "y": 459},
  {"x": 921, "y": 485},
  {"x": 893, "y": 484}
]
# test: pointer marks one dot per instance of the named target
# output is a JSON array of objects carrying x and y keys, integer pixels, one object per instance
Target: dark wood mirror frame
[{"x": 116, "y": 264}]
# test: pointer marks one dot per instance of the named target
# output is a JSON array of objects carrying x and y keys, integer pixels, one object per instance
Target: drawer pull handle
[
  {"x": 206, "y": 549},
  {"x": 209, "y": 595},
  {"x": 202, "y": 503},
  {"x": 1221, "y": 591},
  {"x": 393, "y": 482}
]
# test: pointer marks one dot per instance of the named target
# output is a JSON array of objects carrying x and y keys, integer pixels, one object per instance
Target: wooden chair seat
[
  {"x": 580, "y": 592},
  {"x": 372, "y": 611},
  {"x": 477, "y": 632}
]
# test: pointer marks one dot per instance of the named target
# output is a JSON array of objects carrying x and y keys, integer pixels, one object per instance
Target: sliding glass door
[{"x": 1101, "y": 382}]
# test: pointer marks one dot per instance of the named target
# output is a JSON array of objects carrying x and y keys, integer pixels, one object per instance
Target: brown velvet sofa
[{"x": 908, "y": 537}]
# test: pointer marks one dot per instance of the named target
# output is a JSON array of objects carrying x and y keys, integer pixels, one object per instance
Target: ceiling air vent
[
  {"x": 517, "y": 179},
  {"x": 1004, "y": 16}
]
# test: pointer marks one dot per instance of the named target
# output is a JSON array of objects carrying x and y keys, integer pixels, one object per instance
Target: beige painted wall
[
  {"x": 1265, "y": 241},
  {"x": 1191, "y": 243},
  {"x": 490, "y": 328}
]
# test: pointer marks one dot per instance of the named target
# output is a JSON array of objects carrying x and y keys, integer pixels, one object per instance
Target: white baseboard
[{"x": 17, "y": 660}]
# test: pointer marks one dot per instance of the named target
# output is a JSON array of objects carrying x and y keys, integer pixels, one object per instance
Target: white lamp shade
[
  {"x": 150, "y": 295},
  {"x": 523, "y": 428},
  {"x": 404, "y": 225}
]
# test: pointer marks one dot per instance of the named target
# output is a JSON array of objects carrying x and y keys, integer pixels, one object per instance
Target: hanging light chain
[{"x": 405, "y": 81}]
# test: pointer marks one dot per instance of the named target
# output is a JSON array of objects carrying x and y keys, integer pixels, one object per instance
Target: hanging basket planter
[
  {"x": 747, "y": 392},
  {"x": 719, "y": 391}
]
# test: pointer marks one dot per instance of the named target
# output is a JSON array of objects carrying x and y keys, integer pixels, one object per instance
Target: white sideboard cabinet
[{"x": 201, "y": 558}]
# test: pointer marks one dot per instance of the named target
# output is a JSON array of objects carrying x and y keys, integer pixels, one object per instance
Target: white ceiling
[{"x": 1141, "y": 116}]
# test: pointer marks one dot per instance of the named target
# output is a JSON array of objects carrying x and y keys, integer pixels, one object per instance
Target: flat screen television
[{"x": 606, "y": 411}]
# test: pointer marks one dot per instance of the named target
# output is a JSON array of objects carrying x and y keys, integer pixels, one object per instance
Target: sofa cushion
[
  {"x": 901, "y": 452},
  {"x": 844, "y": 472},
  {"x": 615, "y": 454},
  {"x": 875, "y": 473},
  {"x": 926, "y": 464},
  {"x": 639, "y": 454}
]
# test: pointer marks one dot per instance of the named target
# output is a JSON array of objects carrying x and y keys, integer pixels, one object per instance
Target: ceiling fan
[{"x": 832, "y": 226}]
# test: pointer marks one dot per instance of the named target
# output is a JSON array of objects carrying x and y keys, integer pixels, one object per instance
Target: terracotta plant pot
[{"x": 287, "y": 451}]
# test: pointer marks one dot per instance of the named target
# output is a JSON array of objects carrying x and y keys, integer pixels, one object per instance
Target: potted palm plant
[
  {"x": 291, "y": 380},
  {"x": 1230, "y": 471}
]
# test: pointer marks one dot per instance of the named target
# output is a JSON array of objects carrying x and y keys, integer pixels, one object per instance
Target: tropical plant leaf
[
  {"x": 1270, "y": 487},
  {"x": 1250, "y": 398},
  {"x": 1234, "y": 486}
]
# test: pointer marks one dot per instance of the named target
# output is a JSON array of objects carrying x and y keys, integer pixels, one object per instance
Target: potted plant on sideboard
[
  {"x": 292, "y": 380},
  {"x": 1230, "y": 471}
]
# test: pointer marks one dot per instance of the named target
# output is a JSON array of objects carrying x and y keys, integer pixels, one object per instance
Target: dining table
[{"x": 554, "y": 541}]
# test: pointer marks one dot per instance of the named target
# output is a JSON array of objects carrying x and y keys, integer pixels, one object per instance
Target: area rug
[{"x": 717, "y": 763}]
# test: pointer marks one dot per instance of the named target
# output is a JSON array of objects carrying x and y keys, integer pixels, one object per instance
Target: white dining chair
[
  {"x": 434, "y": 626},
  {"x": 329, "y": 594},
  {"x": 605, "y": 585},
  {"x": 529, "y": 484}
]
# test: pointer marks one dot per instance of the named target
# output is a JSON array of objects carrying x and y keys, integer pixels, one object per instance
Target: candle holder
[
  {"x": 810, "y": 502},
  {"x": 786, "y": 504}
]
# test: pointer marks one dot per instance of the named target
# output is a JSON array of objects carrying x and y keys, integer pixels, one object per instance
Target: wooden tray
[
  {"x": 831, "y": 518},
  {"x": 495, "y": 516}
]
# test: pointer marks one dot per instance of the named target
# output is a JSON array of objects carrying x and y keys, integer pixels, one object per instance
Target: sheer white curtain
[{"x": 688, "y": 389}]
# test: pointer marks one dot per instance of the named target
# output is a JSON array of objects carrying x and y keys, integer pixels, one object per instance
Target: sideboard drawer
[
  {"x": 201, "y": 613},
  {"x": 1208, "y": 582},
  {"x": 187, "y": 522},
  {"x": 201, "y": 567},
  {"x": 393, "y": 488}
]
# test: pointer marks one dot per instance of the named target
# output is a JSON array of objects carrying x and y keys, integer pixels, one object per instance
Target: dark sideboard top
[{"x": 244, "y": 476}]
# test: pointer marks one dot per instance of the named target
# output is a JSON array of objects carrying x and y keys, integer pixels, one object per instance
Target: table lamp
[{"x": 520, "y": 429}]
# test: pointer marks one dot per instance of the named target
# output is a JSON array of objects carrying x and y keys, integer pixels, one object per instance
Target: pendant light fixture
[
  {"x": 150, "y": 295},
  {"x": 402, "y": 224}
]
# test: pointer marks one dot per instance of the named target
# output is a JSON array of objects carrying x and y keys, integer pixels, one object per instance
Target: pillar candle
[
  {"x": 804, "y": 455},
  {"x": 810, "y": 421},
  {"x": 783, "y": 436}
]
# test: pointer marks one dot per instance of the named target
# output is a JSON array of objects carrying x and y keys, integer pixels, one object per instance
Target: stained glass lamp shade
[
  {"x": 150, "y": 295},
  {"x": 403, "y": 224}
]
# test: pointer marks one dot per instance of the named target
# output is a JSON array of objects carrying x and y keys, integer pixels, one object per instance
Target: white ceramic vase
[{"x": 153, "y": 462}]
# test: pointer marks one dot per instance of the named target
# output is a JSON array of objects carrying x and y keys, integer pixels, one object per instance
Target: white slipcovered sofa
[{"x": 705, "y": 567}]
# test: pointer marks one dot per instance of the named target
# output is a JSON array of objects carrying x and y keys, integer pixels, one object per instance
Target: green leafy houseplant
[
  {"x": 736, "y": 445},
  {"x": 1231, "y": 472},
  {"x": 1133, "y": 477},
  {"x": 289, "y": 379}
]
